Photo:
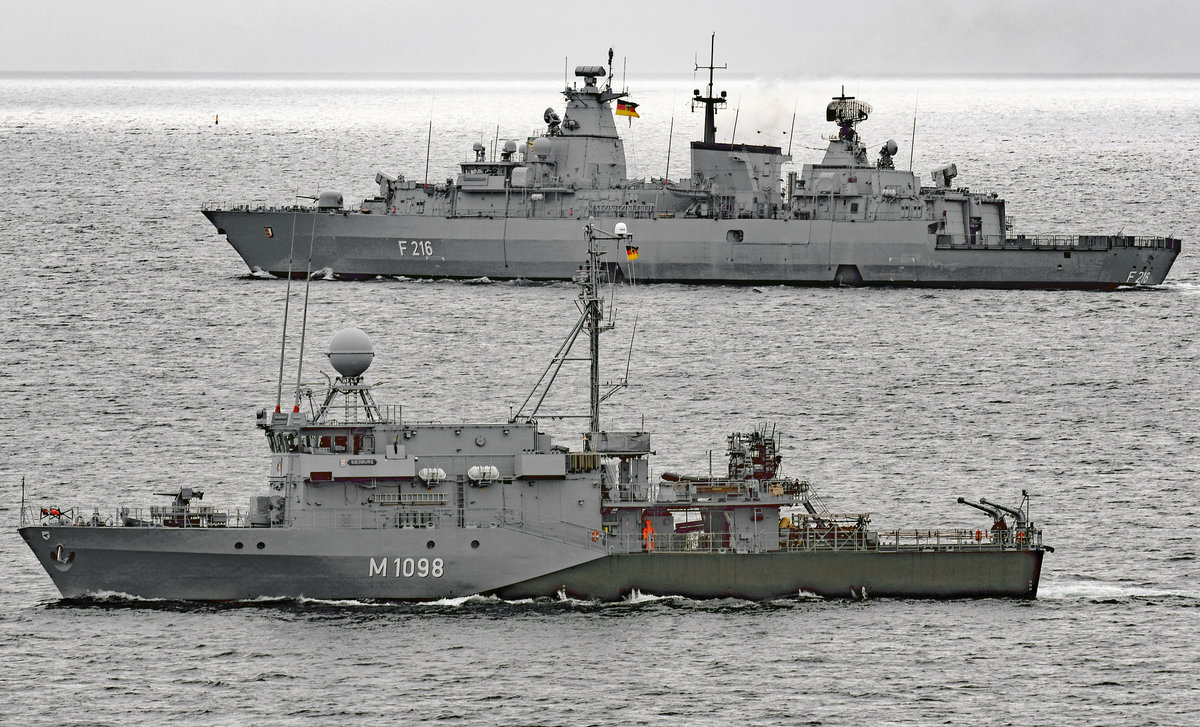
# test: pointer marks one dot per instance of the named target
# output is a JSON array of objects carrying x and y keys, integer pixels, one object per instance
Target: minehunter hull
[
  {"x": 730, "y": 251},
  {"x": 207, "y": 564},
  {"x": 765, "y": 576}
]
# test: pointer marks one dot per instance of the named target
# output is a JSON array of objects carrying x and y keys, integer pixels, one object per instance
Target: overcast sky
[{"x": 782, "y": 37}]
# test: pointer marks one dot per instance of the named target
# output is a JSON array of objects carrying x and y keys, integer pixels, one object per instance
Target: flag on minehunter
[
  {"x": 627, "y": 108},
  {"x": 631, "y": 252}
]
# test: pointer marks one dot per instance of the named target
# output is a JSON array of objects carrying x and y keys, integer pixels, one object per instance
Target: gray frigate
[
  {"x": 737, "y": 218},
  {"x": 363, "y": 503}
]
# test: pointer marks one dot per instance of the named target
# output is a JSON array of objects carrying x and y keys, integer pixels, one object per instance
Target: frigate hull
[
  {"x": 730, "y": 251},
  {"x": 829, "y": 574}
]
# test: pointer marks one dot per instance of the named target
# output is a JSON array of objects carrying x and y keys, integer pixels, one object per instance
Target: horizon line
[{"x": 500, "y": 75}]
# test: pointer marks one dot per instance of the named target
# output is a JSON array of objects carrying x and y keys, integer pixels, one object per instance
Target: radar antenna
[
  {"x": 350, "y": 354},
  {"x": 608, "y": 83},
  {"x": 847, "y": 112}
]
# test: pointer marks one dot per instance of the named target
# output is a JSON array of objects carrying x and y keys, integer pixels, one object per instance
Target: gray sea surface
[{"x": 137, "y": 349}]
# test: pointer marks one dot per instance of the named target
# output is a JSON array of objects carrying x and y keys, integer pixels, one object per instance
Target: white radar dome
[{"x": 350, "y": 352}]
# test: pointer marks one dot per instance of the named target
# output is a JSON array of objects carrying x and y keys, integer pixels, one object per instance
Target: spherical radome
[{"x": 350, "y": 352}]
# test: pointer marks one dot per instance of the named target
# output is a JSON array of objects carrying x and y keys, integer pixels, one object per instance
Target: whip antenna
[
  {"x": 304, "y": 320},
  {"x": 912, "y": 143},
  {"x": 792, "y": 130},
  {"x": 287, "y": 301}
]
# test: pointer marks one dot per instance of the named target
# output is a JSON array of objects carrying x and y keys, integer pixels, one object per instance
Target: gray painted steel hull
[
  {"x": 800, "y": 252},
  {"x": 205, "y": 564}
]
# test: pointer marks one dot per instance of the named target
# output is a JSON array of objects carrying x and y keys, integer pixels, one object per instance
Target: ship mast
[
  {"x": 589, "y": 297},
  {"x": 592, "y": 319},
  {"x": 710, "y": 101}
]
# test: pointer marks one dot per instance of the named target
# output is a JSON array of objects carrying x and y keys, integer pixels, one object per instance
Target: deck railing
[
  {"x": 414, "y": 513},
  {"x": 173, "y": 516}
]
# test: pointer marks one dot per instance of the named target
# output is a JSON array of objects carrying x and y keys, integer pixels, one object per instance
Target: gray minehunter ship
[
  {"x": 366, "y": 505},
  {"x": 736, "y": 219}
]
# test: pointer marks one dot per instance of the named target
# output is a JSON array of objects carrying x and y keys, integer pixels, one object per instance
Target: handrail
[
  {"x": 429, "y": 515},
  {"x": 830, "y": 539},
  {"x": 171, "y": 516}
]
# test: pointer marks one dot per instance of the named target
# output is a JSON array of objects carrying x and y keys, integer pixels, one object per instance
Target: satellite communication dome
[{"x": 350, "y": 352}]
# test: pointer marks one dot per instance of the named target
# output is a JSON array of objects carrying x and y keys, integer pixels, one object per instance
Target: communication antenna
[
  {"x": 912, "y": 143},
  {"x": 670, "y": 138},
  {"x": 792, "y": 130},
  {"x": 736, "y": 112},
  {"x": 629, "y": 355},
  {"x": 428, "y": 144},
  {"x": 304, "y": 320},
  {"x": 287, "y": 301}
]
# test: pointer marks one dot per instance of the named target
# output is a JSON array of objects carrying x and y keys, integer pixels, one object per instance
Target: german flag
[
  {"x": 627, "y": 108},
  {"x": 631, "y": 252}
]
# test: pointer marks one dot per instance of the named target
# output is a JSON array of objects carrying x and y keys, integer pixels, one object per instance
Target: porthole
[
  {"x": 429, "y": 545},
  {"x": 474, "y": 543},
  {"x": 261, "y": 545},
  {"x": 238, "y": 545}
]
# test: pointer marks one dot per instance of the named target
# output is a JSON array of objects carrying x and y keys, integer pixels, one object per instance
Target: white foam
[{"x": 1107, "y": 591}]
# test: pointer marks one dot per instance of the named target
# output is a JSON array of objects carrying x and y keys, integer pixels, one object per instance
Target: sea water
[{"x": 137, "y": 349}]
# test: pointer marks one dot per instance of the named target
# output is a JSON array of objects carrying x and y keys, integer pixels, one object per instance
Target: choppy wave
[{"x": 893, "y": 400}]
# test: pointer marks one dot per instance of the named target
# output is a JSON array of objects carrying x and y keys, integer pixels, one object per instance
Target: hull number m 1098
[
  {"x": 416, "y": 248},
  {"x": 406, "y": 567}
]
